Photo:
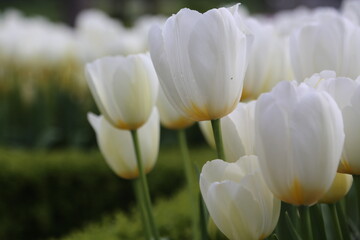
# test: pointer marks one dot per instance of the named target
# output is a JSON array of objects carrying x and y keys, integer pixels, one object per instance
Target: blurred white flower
[
  {"x": 268, "y": 60},
  {"x": 35, "y": 40},
  {"x": 98, "y": 35},
  {"x": 351, "y": 10},
  {"x": 329, "y": 42}
]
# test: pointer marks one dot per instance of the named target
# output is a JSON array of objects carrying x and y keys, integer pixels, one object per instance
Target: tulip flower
[
  {"x": 117, "y": 147},
  {"x": 201, "y": 61},
  {"x": 346, "y": 93},
  {"x": 169, "y": 117},
  {"x": 298, "y": 131},
  {"x": 237, "y": 132},
  {"x": 124, "y": 88},
  {"x": 339, "y": 188},
  {"x": 351, "y": 10},
  {"x": 268, "y": 63},
  {"x": 238, "y": 199},
  {"x": 330, "y": 42}
]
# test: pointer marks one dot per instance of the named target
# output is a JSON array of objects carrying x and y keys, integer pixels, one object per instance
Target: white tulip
[
  {"x": 98, "y": 35},
  {"x": 268, "y": 60},
  {"x": 124, "y": 88},
  {"x": 330, "y": 42},
  {"x": 238, "y": 199},
  {"x": 346, "y": 93},
  {"x": 169, "y": 117},
  {"x": 350, "y": 163},
  {"x": 201, "y": 61},
  {"x": 351, "y": 10},
  {"x": 237, "y": 132},
  {"x": 117, "y": 147},
  {"x": 298, "y": 132}
]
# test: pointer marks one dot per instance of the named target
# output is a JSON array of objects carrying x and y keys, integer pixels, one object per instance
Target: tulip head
[
  {"x": 124, "y": 88},
  {"x": 346, "y": 93},
  {"x": 238, "y": 199},
  {"x": 268, "y": 60},
  {"x": 350, "y": 162},
  {"x": 201, "y": 61},
  {"x": 329, "y": 42},
  {"x": 117, "y": 147},
  {"x": 298, "y": 131}
]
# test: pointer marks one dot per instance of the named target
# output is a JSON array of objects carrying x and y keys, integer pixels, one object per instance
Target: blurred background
[
  {"x": 45, "y": 44},
  {"x": 50, "y": 168},
  {"x": 128, "y": 10}
]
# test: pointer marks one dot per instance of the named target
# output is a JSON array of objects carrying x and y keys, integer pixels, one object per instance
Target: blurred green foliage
[
  {"x": 47, "y": 194},
  {"x": 53, "y": 119},
  {"x": 172, "y": 216},
  {"x": 49, "y": 9}
]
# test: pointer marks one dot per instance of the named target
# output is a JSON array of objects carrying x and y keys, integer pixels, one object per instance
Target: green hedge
[
  {"x": 47, "y": 194},
  {"x": 172, "y": 217}
]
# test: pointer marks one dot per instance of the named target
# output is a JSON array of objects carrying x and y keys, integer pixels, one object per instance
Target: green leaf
[
  {"x": 294, "y": 234},
  {"x": 318, "y": 222}
]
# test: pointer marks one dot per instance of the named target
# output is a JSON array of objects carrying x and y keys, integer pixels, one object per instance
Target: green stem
[
  {"x": 342, "y": 221},
  {"x": 216, "y": 127},
  {"x": 318, "y": 221},
  {"x": 306, "y": 222},
  {"x": 203, "y": 219},
  {"x": 357, "y": 188},
  {"x": 143, "y": 214},
  {"x": 336, "y": 221},
  {"x": 144, "y": 186},
  {"x": 294, "y": 234},
  {"x": 192, "y": 182}
]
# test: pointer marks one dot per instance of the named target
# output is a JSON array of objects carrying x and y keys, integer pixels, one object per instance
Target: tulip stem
[
  {"x": 342, "y": 221},
  {"x": 140, "y": 200},
  {"x": 192, "y": 183},
  {"x": 305, "y": 222},
  {"x": 144, "y": 186},
  {"x": 216, "y": 127},
  {"x": 336, "y": 222},
  {"x": 357, "y": 190},
  {"x": 318, "y": 221},
  {"x": 293, "y": 232}
]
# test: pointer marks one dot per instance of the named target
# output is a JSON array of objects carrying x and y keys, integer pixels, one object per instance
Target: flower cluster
[{"x": 292, "y": 143}]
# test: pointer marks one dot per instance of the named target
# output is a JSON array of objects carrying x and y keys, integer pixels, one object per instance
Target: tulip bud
[
  {"x": 238, "y": 199},
  {"x": 117, "y": 147},
  {"x": 124, "y": 88}
]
